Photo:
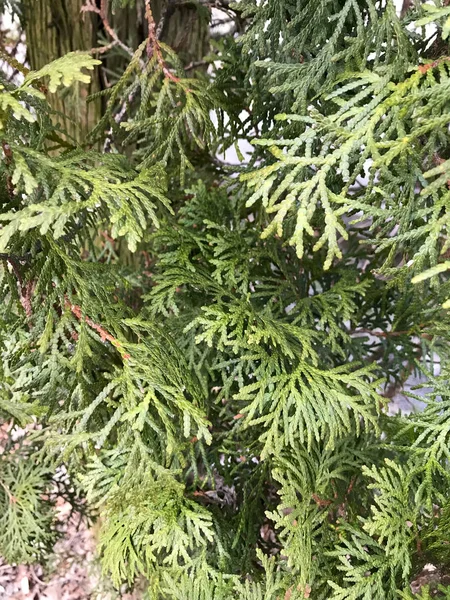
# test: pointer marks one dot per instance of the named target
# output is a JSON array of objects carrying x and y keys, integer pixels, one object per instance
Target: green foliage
[
  {"x": 436, "y": 14},
  {"x": 152, "y": 524},
  {"x": 27, "y": 516},
  {"x": 210, "y": 351},
  {"x": 64, "y": 71},
  {"x": 78, "y": 184}
]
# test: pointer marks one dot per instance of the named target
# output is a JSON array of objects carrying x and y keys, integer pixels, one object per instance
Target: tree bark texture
[{"x": 54, "y": 28}]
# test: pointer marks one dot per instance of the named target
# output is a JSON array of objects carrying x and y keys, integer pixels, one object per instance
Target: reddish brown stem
[
  {"x": 320, "y": 502},
  {"x": 12, "y": 499},
  {"x": 153, "y": 45},
  {"x": 424, "y": 68},
  {"x": 102, "y": 11},
  {"x": 104, "y": 335}
]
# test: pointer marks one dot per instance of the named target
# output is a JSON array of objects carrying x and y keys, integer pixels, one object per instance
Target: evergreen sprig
[{"x": 210, "y": 351}]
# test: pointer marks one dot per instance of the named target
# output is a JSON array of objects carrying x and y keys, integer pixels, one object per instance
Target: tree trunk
[{"x": 54, "y": 28}]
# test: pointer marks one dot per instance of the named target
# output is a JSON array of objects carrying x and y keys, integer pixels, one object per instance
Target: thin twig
[
  {"x": 102, "y": 11},
  {"x": 153, "y": 46},
  {"x": 424, "y": 68},
  {"x": 103, "y": 49},
  {"x": 12, "y": 499},
  {"x": 104, "y": 335},
  {"x": 195, "y": 64}
]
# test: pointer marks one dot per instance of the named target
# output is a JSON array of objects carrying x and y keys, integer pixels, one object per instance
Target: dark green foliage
[{"x": 211, "y": 351}]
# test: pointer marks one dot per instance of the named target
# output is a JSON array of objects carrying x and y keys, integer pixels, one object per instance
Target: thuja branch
[
  {"x": 153, "y": 46},
  {"x": 103, "y": 333}
]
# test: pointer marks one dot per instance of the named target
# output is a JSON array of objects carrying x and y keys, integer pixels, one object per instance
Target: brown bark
[
  {"x": 54, "y": 28},
  {"x": 186, "y": 29},
  {"x": 405, "y": 7}
]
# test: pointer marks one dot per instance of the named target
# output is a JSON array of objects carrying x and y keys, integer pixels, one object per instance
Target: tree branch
[
  {"x": 153, "y": 46},
  {"x": 104, "y": 335}
]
